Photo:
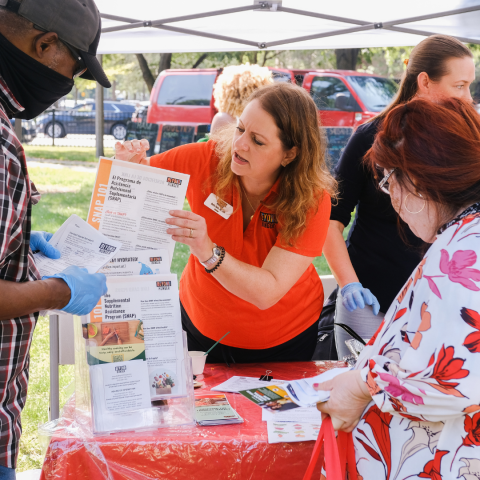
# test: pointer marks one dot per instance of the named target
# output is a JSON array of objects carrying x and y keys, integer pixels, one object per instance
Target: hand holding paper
[
  {"x": 39, "y": 242},
  {"x": 349, "y": 397},
  {"x": 134, "y": 151}
]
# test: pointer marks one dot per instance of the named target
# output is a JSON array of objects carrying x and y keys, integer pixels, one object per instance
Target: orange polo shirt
[{"x": 214, "y": 310}]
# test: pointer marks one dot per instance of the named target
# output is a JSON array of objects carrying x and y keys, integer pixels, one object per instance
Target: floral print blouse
[{"x": 422, "y": 368}]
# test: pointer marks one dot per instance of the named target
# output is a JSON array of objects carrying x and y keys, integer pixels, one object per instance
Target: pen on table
[{"x": 215, "y": 344}]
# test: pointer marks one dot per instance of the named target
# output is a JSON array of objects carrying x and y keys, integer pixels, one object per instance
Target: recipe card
[{"x": 287, "y": 432}]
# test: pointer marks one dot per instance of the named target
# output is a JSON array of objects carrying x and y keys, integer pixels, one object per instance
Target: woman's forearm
[
  {"x": 252, "y": 284},
  {"x": 262, "y": 287},
  {"x": 336, "y": 253}
]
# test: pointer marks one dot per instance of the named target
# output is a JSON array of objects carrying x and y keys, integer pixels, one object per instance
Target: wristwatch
[{"x": 217, "y": 251}]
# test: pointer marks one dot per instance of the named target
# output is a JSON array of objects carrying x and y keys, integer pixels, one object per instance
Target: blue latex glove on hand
[
  {"x": 39, "y": 242},
  {"x": 355, "y": 296},
  {"x": 86, "y": 289}
]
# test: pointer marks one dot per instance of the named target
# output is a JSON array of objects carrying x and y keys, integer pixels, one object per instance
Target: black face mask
[{"x": 34, "y": 86}]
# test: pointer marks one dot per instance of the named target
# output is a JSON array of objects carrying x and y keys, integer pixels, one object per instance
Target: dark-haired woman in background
[
  {"x": 376, "y": 261},
  {"x": 413, "y": 398},
  {"x": 261, "y": 192}
]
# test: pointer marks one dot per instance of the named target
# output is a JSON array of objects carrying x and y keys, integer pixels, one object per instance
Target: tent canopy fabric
[{"x": 146, "y": 26}]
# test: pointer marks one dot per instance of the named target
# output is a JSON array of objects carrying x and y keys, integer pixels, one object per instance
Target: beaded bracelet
[{"x": 222, "y": 256}]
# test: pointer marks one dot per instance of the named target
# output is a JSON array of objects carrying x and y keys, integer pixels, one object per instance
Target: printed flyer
[
  {"x": 141, "y": 262},
  {"x": 130, "y": 203},
  {"x": 272, "y": 398},
  {"x": 119, "y": 394},
  {"x": 153, "y": 302},
  {"x": 80, "y": 245}
]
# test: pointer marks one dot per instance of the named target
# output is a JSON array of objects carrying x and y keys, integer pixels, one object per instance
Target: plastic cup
[{"x": 198, "y": 362}]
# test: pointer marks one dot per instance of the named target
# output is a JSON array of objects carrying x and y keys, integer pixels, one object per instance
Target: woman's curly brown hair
[{"x": 304, "y": 180}]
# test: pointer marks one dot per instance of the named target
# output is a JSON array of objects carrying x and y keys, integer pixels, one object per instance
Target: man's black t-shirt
[{"x": 381, "y": 259}]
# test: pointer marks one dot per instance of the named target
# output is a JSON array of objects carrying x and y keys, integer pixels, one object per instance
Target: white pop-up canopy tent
[{"x": 152, "y": 26}]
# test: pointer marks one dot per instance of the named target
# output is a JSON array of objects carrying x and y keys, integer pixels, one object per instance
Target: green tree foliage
[{"x": 128, "y": 80}]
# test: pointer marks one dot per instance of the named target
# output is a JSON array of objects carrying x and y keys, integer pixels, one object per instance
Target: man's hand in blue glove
[
  {"x": 355, "y": 296},
  {"x": 86, "y": 289},
  {"x": 39, "y": 242}
]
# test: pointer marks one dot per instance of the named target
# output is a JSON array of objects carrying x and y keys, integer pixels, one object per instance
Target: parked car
[
  {"x": 185, "y": 96},
  {"x": 344, "y": 98},
  {"x": 28, "y": 130},
  {"x": 81, "y": 119}
]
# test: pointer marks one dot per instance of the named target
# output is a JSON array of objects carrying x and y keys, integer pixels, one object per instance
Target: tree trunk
[
  {"x": 347, "y": 58},
  {"x": 146, "y": 72},
  {"x": 200, "y": 59},
  {"x": 165, "y": 62}
]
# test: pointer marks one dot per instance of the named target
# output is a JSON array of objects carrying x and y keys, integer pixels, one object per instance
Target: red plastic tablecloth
[{"x": 227, "y": 452}]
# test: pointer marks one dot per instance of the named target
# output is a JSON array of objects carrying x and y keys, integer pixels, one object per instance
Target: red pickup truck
[{"x": 344, "y": 98}]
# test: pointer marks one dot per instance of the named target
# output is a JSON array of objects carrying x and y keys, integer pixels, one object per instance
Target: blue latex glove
[
  {"x": 355, "y": 296},
  {"x": 39, "y": 242},
  {"x": 86, "y": 289}
]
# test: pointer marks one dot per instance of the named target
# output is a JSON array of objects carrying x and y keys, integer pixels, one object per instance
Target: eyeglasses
[
  {"x": 384, "y": 185},
  {"x": 82, "y": 68}
]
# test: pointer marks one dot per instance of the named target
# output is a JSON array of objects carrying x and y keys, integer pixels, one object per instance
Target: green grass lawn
[
  {"x": 74, "y": 191},
  {"x": 77, "y": 154}
]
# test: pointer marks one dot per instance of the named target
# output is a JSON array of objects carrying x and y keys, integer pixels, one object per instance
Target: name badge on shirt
[{"x": 219, "y": 206}]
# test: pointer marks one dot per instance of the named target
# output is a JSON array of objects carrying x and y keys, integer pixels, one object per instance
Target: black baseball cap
[{"x": 76, "y": 22}]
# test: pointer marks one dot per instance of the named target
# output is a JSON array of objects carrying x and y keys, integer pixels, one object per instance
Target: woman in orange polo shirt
[{"x": 260, "y": 200}]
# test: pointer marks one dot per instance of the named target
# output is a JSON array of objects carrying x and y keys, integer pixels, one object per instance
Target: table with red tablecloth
[{"x": 233, "y": 452}]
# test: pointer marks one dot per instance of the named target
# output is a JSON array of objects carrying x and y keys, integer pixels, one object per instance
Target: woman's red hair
[{"x": 435, "y": 149}]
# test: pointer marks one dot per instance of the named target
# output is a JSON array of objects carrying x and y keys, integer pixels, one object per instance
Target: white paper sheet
[
  {"x": 280, "y": 432},
  {"x": 119, "y": 388},
  {"x": 154, "y": 300},
  {"x": 302, "y": 414},
  {"x": 80, "y": 245},
  {"x": 141, "y": 262},
  {"x": 130, "y": 203},
  {"x": 235, "y": 384},
  {"x": 302, "y": 392}
]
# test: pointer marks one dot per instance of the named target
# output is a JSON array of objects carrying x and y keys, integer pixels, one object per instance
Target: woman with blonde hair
[
  {"x": 233, "y": 88},
  {"x": 260, "y": 199}
]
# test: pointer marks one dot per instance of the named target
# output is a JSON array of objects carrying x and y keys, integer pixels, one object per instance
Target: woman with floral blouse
[{"x": 413, "y": 400}]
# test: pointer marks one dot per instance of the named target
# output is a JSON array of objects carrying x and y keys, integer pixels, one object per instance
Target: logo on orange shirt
[{"x": 268, "y": 219}]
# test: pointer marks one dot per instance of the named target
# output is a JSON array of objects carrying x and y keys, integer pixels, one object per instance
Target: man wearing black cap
[{"x": 44, "y": 45}]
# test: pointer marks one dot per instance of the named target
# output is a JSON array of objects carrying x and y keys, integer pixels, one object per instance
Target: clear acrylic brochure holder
[{"x": 165, "y": 411}]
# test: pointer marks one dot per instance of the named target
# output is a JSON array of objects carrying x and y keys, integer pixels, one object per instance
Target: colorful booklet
[
  {"x": 214, "y": 409},
  {"x": 273, "y": 398}
]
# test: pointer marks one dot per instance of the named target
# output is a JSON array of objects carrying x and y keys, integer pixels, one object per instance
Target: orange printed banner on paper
[
  {"x": 99, "y": 192},
  {"x": 96, "y": 315}
]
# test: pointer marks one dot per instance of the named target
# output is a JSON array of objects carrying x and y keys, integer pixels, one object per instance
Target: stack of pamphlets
[{"x": 214, "y": 409}]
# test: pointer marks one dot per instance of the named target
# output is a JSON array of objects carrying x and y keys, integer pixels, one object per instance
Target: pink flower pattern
[
  {"x": 458, "y": 270},
  {"x": 396, "y": 389},
  {"x": 432, "y": 382}
]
